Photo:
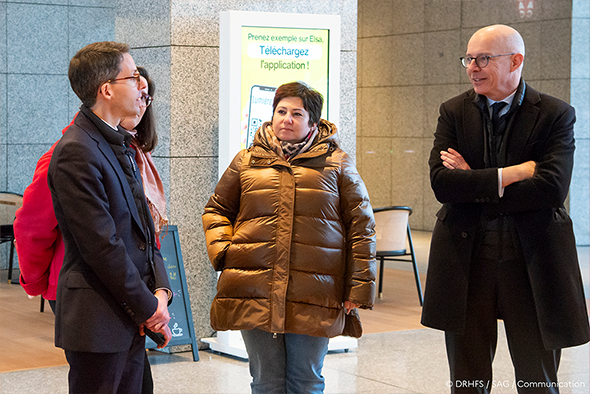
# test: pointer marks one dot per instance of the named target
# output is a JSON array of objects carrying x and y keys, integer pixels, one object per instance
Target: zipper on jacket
[
  {"x": 274, "y": 335},
  {"x": 131, "y": 163}
]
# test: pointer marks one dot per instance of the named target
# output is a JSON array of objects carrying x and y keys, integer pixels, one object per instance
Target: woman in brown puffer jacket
[{"x": 291, "y": 228}]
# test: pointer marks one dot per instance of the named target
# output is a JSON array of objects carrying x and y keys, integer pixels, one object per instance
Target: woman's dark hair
[
  {"x": 146, "y": 136},
  {"x": 92, "y": 66},
  {"x": 313, "y": 101}
]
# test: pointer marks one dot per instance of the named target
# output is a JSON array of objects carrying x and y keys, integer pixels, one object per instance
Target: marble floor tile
[{"x": 399, "y": 362}]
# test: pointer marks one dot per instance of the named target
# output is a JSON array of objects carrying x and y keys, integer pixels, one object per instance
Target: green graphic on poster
[{"x": 272, "y": 56}]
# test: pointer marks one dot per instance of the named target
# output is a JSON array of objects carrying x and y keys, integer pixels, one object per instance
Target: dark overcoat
[{"x": 542, "y": 131}]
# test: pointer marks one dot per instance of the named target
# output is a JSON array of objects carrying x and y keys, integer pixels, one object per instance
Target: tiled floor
[
  {"x": 411, "y": 361},
  {"x": 398, "y": 362}
]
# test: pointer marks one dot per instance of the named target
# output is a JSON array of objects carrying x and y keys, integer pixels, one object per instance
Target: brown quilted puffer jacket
[{"x": 294, "y": 239}]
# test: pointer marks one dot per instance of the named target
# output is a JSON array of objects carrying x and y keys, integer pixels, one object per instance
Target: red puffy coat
[{"x": 39, "y": 244}]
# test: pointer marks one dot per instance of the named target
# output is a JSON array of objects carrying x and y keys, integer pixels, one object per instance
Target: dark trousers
[
  {"x": 499, "y": 288},
  {"x": 147, "y": 386},
  {"x": 112, "y": 373}
]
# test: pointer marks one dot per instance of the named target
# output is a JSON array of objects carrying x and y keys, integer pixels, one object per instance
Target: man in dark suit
[
  {"x": 503, "y": 245},
  {"x": 113, "y": 284}
]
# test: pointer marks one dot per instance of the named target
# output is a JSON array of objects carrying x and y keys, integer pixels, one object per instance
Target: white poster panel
[{"x": 259, "y": 52}]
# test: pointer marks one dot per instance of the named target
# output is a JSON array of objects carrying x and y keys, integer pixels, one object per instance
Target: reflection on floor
[
  {"x": 410, "y": 360},
  {"x": 396, "y": 362}
]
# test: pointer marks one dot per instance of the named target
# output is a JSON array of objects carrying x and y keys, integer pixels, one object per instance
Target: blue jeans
[{"x": 287, "y": 363}]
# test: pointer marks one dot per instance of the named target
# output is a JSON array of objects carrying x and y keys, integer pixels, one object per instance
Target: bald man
[{"x": 503, "y": 245}]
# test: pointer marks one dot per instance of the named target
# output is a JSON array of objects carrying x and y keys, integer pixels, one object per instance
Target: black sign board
[{"x": 181, "y": 317}]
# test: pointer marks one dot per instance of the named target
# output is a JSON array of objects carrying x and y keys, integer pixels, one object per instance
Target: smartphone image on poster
[{"x": 260, "y": 110}]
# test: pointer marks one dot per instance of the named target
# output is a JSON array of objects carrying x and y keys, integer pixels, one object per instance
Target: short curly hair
[{"x": 313, "y": 101}]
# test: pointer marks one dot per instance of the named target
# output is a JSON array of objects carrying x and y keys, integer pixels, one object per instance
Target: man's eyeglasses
[
  {"x": 481, "y": 61},
  {"x": 135, "y": 76},
  {"x": 146, "y": 99}
]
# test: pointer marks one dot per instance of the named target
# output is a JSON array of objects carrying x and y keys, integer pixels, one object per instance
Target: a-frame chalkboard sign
[{"x": 181, "y": 317}]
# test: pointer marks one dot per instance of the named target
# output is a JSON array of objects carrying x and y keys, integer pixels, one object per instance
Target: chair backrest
[
  {"x": 9, "y": 203},
  {"x": 391, "y": 224}
]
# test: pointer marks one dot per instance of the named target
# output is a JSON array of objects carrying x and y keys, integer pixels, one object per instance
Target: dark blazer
[
  {"x": 102, "y": 294},
  {"x": 542, "y": 131}
]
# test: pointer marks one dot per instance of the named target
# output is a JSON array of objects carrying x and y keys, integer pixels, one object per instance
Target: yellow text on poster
[{"x": 274, "y": 56}]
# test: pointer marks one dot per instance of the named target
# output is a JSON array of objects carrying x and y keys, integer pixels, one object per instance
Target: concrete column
[{"x": 579, "y": 203}]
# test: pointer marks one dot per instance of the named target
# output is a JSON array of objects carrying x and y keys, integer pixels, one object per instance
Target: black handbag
[{"x": 352, "y": 324}]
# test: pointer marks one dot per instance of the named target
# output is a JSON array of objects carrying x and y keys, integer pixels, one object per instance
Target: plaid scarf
[
  {"x": 291, "y": 149},
  {"x": 285, "y": 149}
]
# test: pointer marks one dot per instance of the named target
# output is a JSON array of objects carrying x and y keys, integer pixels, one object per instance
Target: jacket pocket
[
  {"x": 76, "y": 280},
  {"x": 442, "y": 213},
  {"x": 560, "y": 215}
]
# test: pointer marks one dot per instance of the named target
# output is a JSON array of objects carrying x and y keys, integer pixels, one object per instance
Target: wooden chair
[
  {"x": 393, "y": 238},
  {"x": 9, "y": 203}
]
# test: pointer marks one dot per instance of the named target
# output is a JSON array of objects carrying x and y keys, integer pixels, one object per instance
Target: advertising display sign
[
  {"x": 261, "y": 51},
  {"x": 273, "y": 56}
]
